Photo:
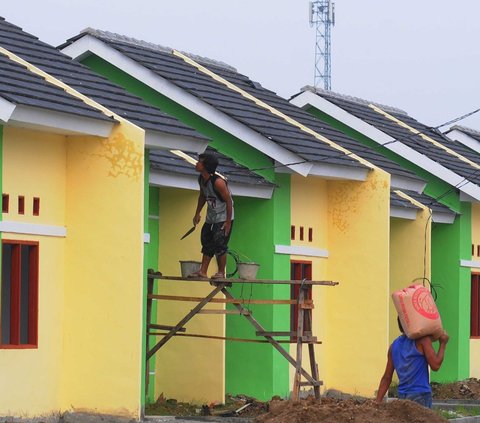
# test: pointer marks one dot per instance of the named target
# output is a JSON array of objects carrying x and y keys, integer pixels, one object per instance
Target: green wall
[
  {"x": 450, "y": 244},
  {"x": 259, "y": 224}
]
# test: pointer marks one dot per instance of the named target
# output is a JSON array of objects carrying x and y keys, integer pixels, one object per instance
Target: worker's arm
[
  {"x": 200, "y": 203},
  {"x": 386, "y": 379},
  {"x": 222, "y": 189},
  {"x": 434, "y": 359}
]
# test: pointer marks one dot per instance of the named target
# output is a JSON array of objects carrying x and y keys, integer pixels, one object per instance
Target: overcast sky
[{"x": 419, "y": 55}]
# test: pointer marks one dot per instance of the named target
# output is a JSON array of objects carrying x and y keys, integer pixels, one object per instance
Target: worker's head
[
  {"x": 207, "y": 161},
  {"x": 400, "y": 327}
]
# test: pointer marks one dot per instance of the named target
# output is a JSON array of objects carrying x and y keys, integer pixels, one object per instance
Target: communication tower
[{"x": 322, "y": 16}]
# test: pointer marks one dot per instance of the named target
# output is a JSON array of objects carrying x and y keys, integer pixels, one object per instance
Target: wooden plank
[
  {"x": 316, "y": 383},
  {"x": 164, "y": 327},
  {"x": 224, "y": 300},
  {"x": 274, "y": 342},
  {"x": 221, "y": 338},
  {"x": 279, "y": 333},
  {"x": 187, "y": 318},
  {"x": 223, "y": 312},
  {"x": 298, "y": 367},
  {"x": 307, "y": 306},
  {"x": 246, "y": 281},
  {"x": 311, "y": 354}
]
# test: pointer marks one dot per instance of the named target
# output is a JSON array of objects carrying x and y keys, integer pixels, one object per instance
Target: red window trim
[
  {"x": 15, "y": 295},
  {"x": 5, "y": 203}
]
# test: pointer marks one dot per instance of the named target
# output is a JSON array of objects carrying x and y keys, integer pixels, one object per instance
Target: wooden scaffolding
[{"x": 302, "y": 335}]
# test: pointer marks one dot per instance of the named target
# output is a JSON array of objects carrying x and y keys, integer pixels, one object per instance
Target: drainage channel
[{"x": 454, "y": 405}]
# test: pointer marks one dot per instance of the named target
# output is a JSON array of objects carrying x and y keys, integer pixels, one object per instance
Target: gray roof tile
[
  {"x": 168, "y": 162},
  {"x": 100, "y": 89},
  {"x": 21, "y": 86},
  {"x": 363, "y": 111},
  {"x": 177, "y": 71}
]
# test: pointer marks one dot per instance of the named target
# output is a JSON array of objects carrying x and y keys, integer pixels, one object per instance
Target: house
[
  {"x": 63, "y": 261},
  {"x": 451, "y": 171},
  {"x": 315, "y": 224}
]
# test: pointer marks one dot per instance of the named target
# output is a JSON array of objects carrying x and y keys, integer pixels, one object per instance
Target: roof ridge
[
  {"x": 353, "y": 99},
  {"x": 113, "y": 36},
  {"x": 465, "y": 129}
]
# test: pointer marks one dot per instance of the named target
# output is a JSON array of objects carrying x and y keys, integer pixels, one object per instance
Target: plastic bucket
[
  {"x": 188, "y": 267},
  {"x": 247, "y": 270}
]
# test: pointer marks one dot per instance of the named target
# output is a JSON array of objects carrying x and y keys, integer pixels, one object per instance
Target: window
[
  {"x": 292, "y": 232},
  {"x": 19, "y": 295},
  {"x": 301, "y": 233},
  {"x": 475, "y": 306},
  {"x": 21, "y": 204},
  {"x": 299, "y": 270},
  {"x": 5, "y": 203},
  {"x": 36, "y": 206}
]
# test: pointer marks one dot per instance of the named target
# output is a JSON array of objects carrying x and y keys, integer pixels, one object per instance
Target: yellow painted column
[
  {"x": 102, "y": 349},
  {"x": 356, "y": 311}
]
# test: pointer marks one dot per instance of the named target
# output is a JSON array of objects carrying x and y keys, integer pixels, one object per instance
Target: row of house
[{"x": 97, "y": 189}]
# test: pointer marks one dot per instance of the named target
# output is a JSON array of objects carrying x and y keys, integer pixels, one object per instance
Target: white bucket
[
  {"x": 247, "y": 270},
  {"x": 188, "y": 267}
]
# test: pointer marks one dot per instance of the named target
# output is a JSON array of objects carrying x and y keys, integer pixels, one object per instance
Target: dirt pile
[
  {"x": 464, "y": 389},
  {"x": 330, "y": 410}
]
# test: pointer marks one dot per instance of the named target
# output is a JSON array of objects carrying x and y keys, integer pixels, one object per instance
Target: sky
[{"x": 421, "y": 56}]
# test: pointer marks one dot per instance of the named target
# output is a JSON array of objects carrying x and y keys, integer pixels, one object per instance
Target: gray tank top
[{"x": 216, "y": 207}]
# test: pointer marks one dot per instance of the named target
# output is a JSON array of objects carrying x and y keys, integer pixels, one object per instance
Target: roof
[
  {"x": 363, "y": 110},
  {"x": 469, "y": 131},
  {"x": 166, "y": 161},
  {"x": 21, "y": 86},
  {"x": 94, "y": 86},
  {"x": 169, "y": 66},
  {"x": 398, "y": 201}
]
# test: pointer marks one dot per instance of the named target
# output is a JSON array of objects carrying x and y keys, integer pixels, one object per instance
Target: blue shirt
[{"x": 411, "y": 367}]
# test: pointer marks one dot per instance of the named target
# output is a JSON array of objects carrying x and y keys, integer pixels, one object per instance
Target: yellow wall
[
  {"x": 188, "y": 369},
  {"x": 34, "y": 165},
  {"x": 407, "y": 248},
  {"x": 356, "y": 311},
  {"x": 104, "y": 272},
  {"x": 475, "y": 358},
  {"x": 309, "y": 209}
]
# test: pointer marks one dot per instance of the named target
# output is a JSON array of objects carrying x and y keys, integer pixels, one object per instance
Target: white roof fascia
[
  {"x": 6, "y": 110},
  {"x": 87, "y": 43},
  {"x": 404, "y": 182},
  {"x": 159, "y": 140},
  {"x": 332, "y": 171},
  {"x": 464, "y": 138},
  {"x": 403, "y": 213},
  {"x": 58, "y": 122},
  {"x": 443, "y": 217},
  {"x": 308, "y": 98},
  {"x": 164, "y": 179}
]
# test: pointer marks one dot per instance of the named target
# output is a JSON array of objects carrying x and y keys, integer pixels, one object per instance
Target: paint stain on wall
[{"x": 124, "y": 156}]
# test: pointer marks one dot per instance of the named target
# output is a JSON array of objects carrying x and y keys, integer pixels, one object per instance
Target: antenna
[{"x": 322, "y": 15}]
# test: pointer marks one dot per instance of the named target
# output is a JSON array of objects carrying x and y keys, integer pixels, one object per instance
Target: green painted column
[
  {"x": 259, "y": 225},
  {"x": 450, "y": 244}
]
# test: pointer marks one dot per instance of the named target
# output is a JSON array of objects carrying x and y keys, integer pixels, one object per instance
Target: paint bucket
[
  {"x": 247, "y": 270},
  {"x": 188, "y": 267}
]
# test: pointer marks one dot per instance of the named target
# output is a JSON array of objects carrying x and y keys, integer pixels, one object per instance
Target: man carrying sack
[{"x": 411, "y": 355}]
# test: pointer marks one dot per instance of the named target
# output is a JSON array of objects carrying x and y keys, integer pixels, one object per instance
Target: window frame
[
  {"x": 295, "y": 289},
  {"x": 33, "y": 270},
  {"x": 475, "y": 306}
]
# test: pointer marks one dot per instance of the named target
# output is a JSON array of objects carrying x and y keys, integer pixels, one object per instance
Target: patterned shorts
[{"x": 214, "y": 240}]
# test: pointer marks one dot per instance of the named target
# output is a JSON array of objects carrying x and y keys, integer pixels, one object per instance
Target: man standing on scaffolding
[{"x": 219, "y": 220}]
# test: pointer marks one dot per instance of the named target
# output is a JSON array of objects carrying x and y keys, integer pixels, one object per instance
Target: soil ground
[
  {"x": 468, "y": 389},
  {"x": 330, "y": 410},
  {"x": 340, "y": 408}
]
